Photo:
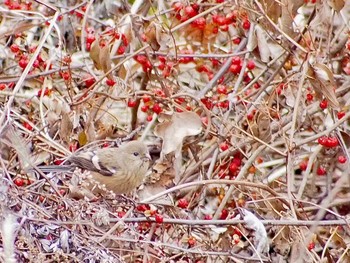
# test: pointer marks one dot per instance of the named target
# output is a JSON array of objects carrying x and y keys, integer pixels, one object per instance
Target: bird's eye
[{"x": 136, "y": 154}]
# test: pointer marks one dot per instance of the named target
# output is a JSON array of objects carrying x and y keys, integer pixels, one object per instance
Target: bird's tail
[{"x": 55, "y": 168}]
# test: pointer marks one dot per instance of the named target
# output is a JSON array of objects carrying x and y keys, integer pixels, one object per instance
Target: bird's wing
[{"x": 91, "y": 161}]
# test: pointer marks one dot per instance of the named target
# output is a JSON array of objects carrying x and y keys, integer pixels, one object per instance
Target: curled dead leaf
[
  {"x": 322, "y": 80},
  {"x": 174, "y": 128},
  {"x": 272, "y": 9},
  {"x": 156, "y": 37},
  {"x": 101, "y": 58}
]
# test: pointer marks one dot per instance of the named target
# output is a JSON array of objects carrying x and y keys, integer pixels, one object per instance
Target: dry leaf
[
  {"x": 263, "y": 121},
  {"x": 95, "y": 54},
  {"x": 175, "y": 128},
  {"x": 101, "y": 58},
  {"x": 252, "y": 222},
  {"x": 13, "y": 139},
  {"x": 82, "y": 138},
  {"x": 272, "y": 9},
  {"x": 105, "y": 60},
  {"x": 264, "y": 51},
  {"x": 322, "y": 80},
  {"x": 337, "y": 5},
  {"x": 151, "y": 34},
  {"x": 66, "y": 127},
  {"x": 18, "y": 27}
]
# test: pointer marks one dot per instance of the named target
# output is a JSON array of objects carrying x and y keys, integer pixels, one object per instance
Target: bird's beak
[{"x": 146, "y": 157}]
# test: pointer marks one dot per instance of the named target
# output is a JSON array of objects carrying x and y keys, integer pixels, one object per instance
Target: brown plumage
[{"x": 120, "y": 169}]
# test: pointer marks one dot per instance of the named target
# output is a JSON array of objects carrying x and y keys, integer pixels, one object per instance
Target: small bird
[{"x": 120, "y": 170}]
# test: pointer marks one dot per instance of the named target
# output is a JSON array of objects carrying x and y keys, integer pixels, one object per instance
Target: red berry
[
  {"x": 73, "y": 147},
  {"x": 256, "y": 85},
  {"x": 322, "y": 140},
  {"x": 191, "y": 241},
  {"x": 340, "y": 114},
  {"x": 221, "y": 89},
  {"x": 66, "y": 75},
  {"x": 236, "y": 41},
  {"x": 341, "y": 159},
  {"x": 144, "y": 108},
  {"x": 89, "y": 81},
  {"x": 27, "y": 126},
  {"x": 178, "y": 6},
  {"x": 189, "y": 11},
  {"x": 321, "y": 171},
  {"x": 182, "y": 203},
  {"x": 199, "y": 23},
  {"x": 331, "y": 142},
  {"x": 19, "y": 182},
  {"x": 14, "y": 48},
  {"x": 131, "y": 103},
  {"x": 142, "y": 208},
  {"x": 224, "y": 214},
  {"x": 149, "y": 118},
  {"x": 235, "y": 69},
  {"x": 323, "y": 104},
  {"x": 2, "y": 86},
  {"x": 303, "y": 165},
  {"x": 36, "y": 63},
  {"x": 90, "y": 38},
  {"x": 156, "y": 108},
  {"x": 146, "y": 98},
  {"x": 223, "y": 146},
  {"x": 309, "y": 97},
  {"x": 121, "y": 50},
  {"x": 311, "y": 246},
  {"x": 236, "y": 60},
  {"x": 159, "y": 218},
  {"x": 208, "y": 217},
  {"x": 141, "y": 59},
  {"x": 246, "y": 24},
  {"x": 110, "y": 82},
  {"x": 233, "y": 168},
  {"x": 250, "y": 65},
  {"x": 23, "y": 63}
]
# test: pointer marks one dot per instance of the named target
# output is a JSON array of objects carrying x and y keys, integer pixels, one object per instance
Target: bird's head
[{"x": 136, "y": 151}]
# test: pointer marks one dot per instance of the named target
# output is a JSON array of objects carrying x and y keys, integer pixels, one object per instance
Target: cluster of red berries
[
  {"x": 21, "y": 181},
  {"x": 23, "y": 57},
  {"x": 214, "y": 23},
  {"x": 144, "y": 61},
  {"x": 149, "y": 105},
  {"x": 232, "y": 168},
  {"x": 18, "y": 5},
  {"x": 328, "y": 141}
]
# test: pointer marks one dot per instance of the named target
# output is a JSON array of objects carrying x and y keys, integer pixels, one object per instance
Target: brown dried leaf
[
  {"x": 322, "y": 80},
  {"x": 66, "y": 127},
  {"x": 272, "y": 9},
  {"x": 263, "y": 121},
  {"x": 175, "y": 128},
  {"x": 82, "y": 138},
  {"x": 264, "y": 50},
  {"x": 105, "y": 60},
  {"x": 151, "y": 34},
  {"x": 101, "y": 58},
  {"x": 12, "y": 138},
  {"x": 19, "y": 27},
  {"x": 95, "y": 51},
  {"x": 337, "y": 5}
]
